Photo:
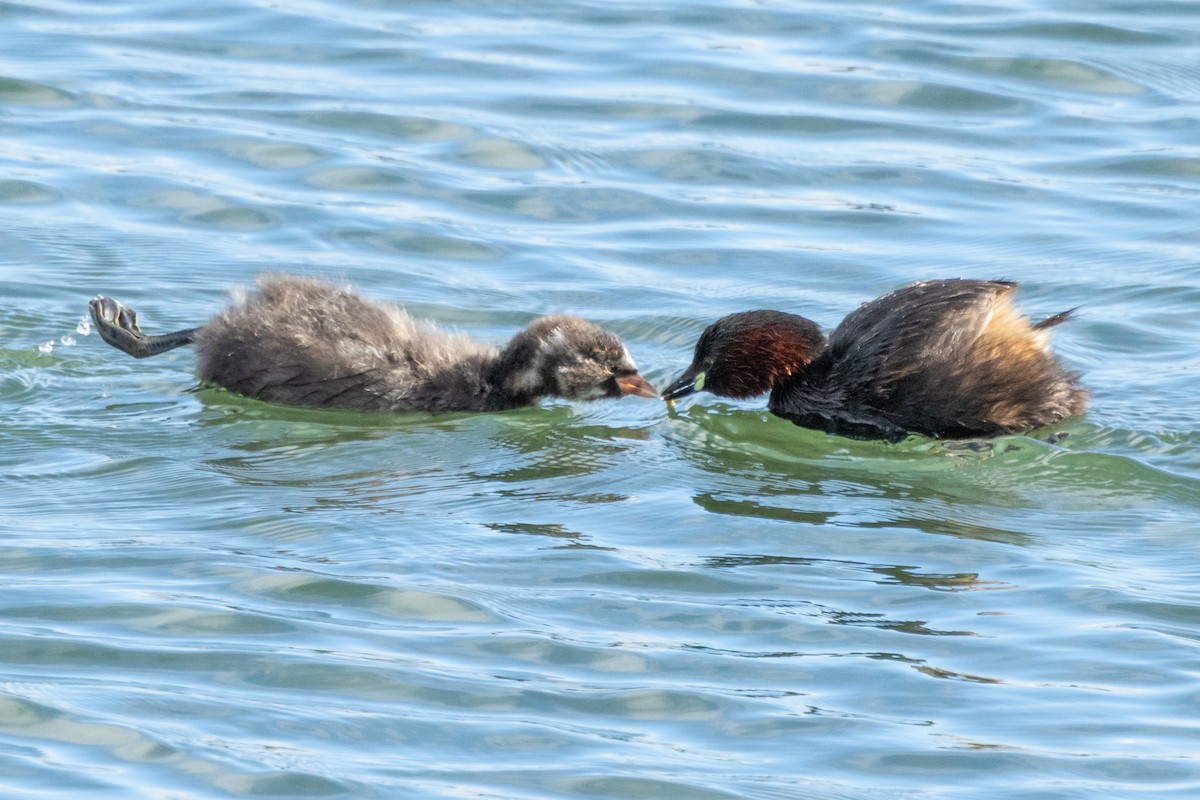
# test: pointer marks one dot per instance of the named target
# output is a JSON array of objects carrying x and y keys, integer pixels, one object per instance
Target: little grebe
[
  {"x": 944, "y": 358},
  {"x": 308, "y": 343}
]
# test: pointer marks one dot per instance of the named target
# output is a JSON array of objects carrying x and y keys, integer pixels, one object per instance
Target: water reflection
[
  {"x": 750, "y": 464},
  {"x": 570, "y": 539},
  {"x": 888, "y": 574}
]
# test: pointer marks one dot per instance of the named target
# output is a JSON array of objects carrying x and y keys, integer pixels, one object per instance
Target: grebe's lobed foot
[
  {"x": 107, "y": 312},
  {"x": 118, "y": 326}
]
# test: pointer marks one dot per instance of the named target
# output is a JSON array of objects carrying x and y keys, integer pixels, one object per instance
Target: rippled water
[{"x": 211, "y": 597}]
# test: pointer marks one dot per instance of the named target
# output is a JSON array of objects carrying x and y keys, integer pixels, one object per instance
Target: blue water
[{"x": 210, "y": 597}]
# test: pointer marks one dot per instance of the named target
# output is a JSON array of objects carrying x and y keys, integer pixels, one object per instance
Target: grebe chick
[
  {"x": 943, "y": 358},
  {"x": 305, "y": 342}
]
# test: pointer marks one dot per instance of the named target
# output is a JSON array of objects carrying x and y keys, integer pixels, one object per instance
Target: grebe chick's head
[
  {"x": 571, "y": 358},
  {"x": 746, "y": 354}
]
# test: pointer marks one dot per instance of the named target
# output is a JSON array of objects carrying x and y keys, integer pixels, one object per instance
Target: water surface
[{"x": 206, "y": 596}]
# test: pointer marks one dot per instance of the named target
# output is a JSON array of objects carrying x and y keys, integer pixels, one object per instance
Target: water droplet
[
  {"x": 84, "y": 327},
  {"x": 68, "y": 340},
  {"x": 46, "y": 347}
]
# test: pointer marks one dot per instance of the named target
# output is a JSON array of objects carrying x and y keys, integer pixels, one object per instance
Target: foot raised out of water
[{"x": 118, "y": 325}]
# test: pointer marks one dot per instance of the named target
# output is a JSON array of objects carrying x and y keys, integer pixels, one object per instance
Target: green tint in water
[{"x": 206, "y": 596}]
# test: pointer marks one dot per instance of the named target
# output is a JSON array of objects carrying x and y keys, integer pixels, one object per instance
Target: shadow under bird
[
  {"x": 944, "y": 358},
  {"x": 306, "y": 342}
]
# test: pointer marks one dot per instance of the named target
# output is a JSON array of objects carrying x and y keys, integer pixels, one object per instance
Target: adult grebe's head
[{"x": 745, "y": 354}]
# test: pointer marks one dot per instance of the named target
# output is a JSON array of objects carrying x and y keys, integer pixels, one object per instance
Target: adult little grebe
[
  {"x": 945, "y": 358},
  {"x": 305, "y": 342}
]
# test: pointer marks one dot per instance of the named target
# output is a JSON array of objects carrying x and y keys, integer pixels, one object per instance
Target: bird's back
[
  {"x": 943, "y": 358},
  {"x": 306, "y": 342}
]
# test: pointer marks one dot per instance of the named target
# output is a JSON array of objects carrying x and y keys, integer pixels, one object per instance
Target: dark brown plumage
[
  {"x": 944, "y": 358},
  {"x": 306, "y": 342}
]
